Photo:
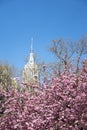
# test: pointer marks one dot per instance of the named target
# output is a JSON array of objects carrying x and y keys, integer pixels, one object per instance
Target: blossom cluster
[{"x": 61, "y": 106}]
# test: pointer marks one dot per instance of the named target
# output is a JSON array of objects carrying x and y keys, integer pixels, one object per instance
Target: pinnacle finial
[{"x": 32, "y": 44}]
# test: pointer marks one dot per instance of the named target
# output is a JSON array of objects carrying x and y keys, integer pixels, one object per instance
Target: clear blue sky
[{"x": 43, "y": 20}]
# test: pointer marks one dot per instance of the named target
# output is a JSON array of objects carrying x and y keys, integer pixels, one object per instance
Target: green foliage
[{"x": 5, "y": 76}]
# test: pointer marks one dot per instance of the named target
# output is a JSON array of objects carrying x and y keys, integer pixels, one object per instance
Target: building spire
[{"x": 30, "y": 72}]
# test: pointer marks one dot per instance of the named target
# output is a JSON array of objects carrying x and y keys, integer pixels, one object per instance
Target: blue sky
[{"x": 44, "y": 20}]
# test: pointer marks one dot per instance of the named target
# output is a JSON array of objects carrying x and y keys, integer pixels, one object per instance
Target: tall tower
[{"x": 30, "y": 72}]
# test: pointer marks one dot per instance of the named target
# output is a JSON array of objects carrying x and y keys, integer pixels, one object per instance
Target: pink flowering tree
[{"x": 61, "y": 106}]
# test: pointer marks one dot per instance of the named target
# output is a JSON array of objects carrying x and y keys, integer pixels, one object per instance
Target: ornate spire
[{"x": 30, "y": 72}]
